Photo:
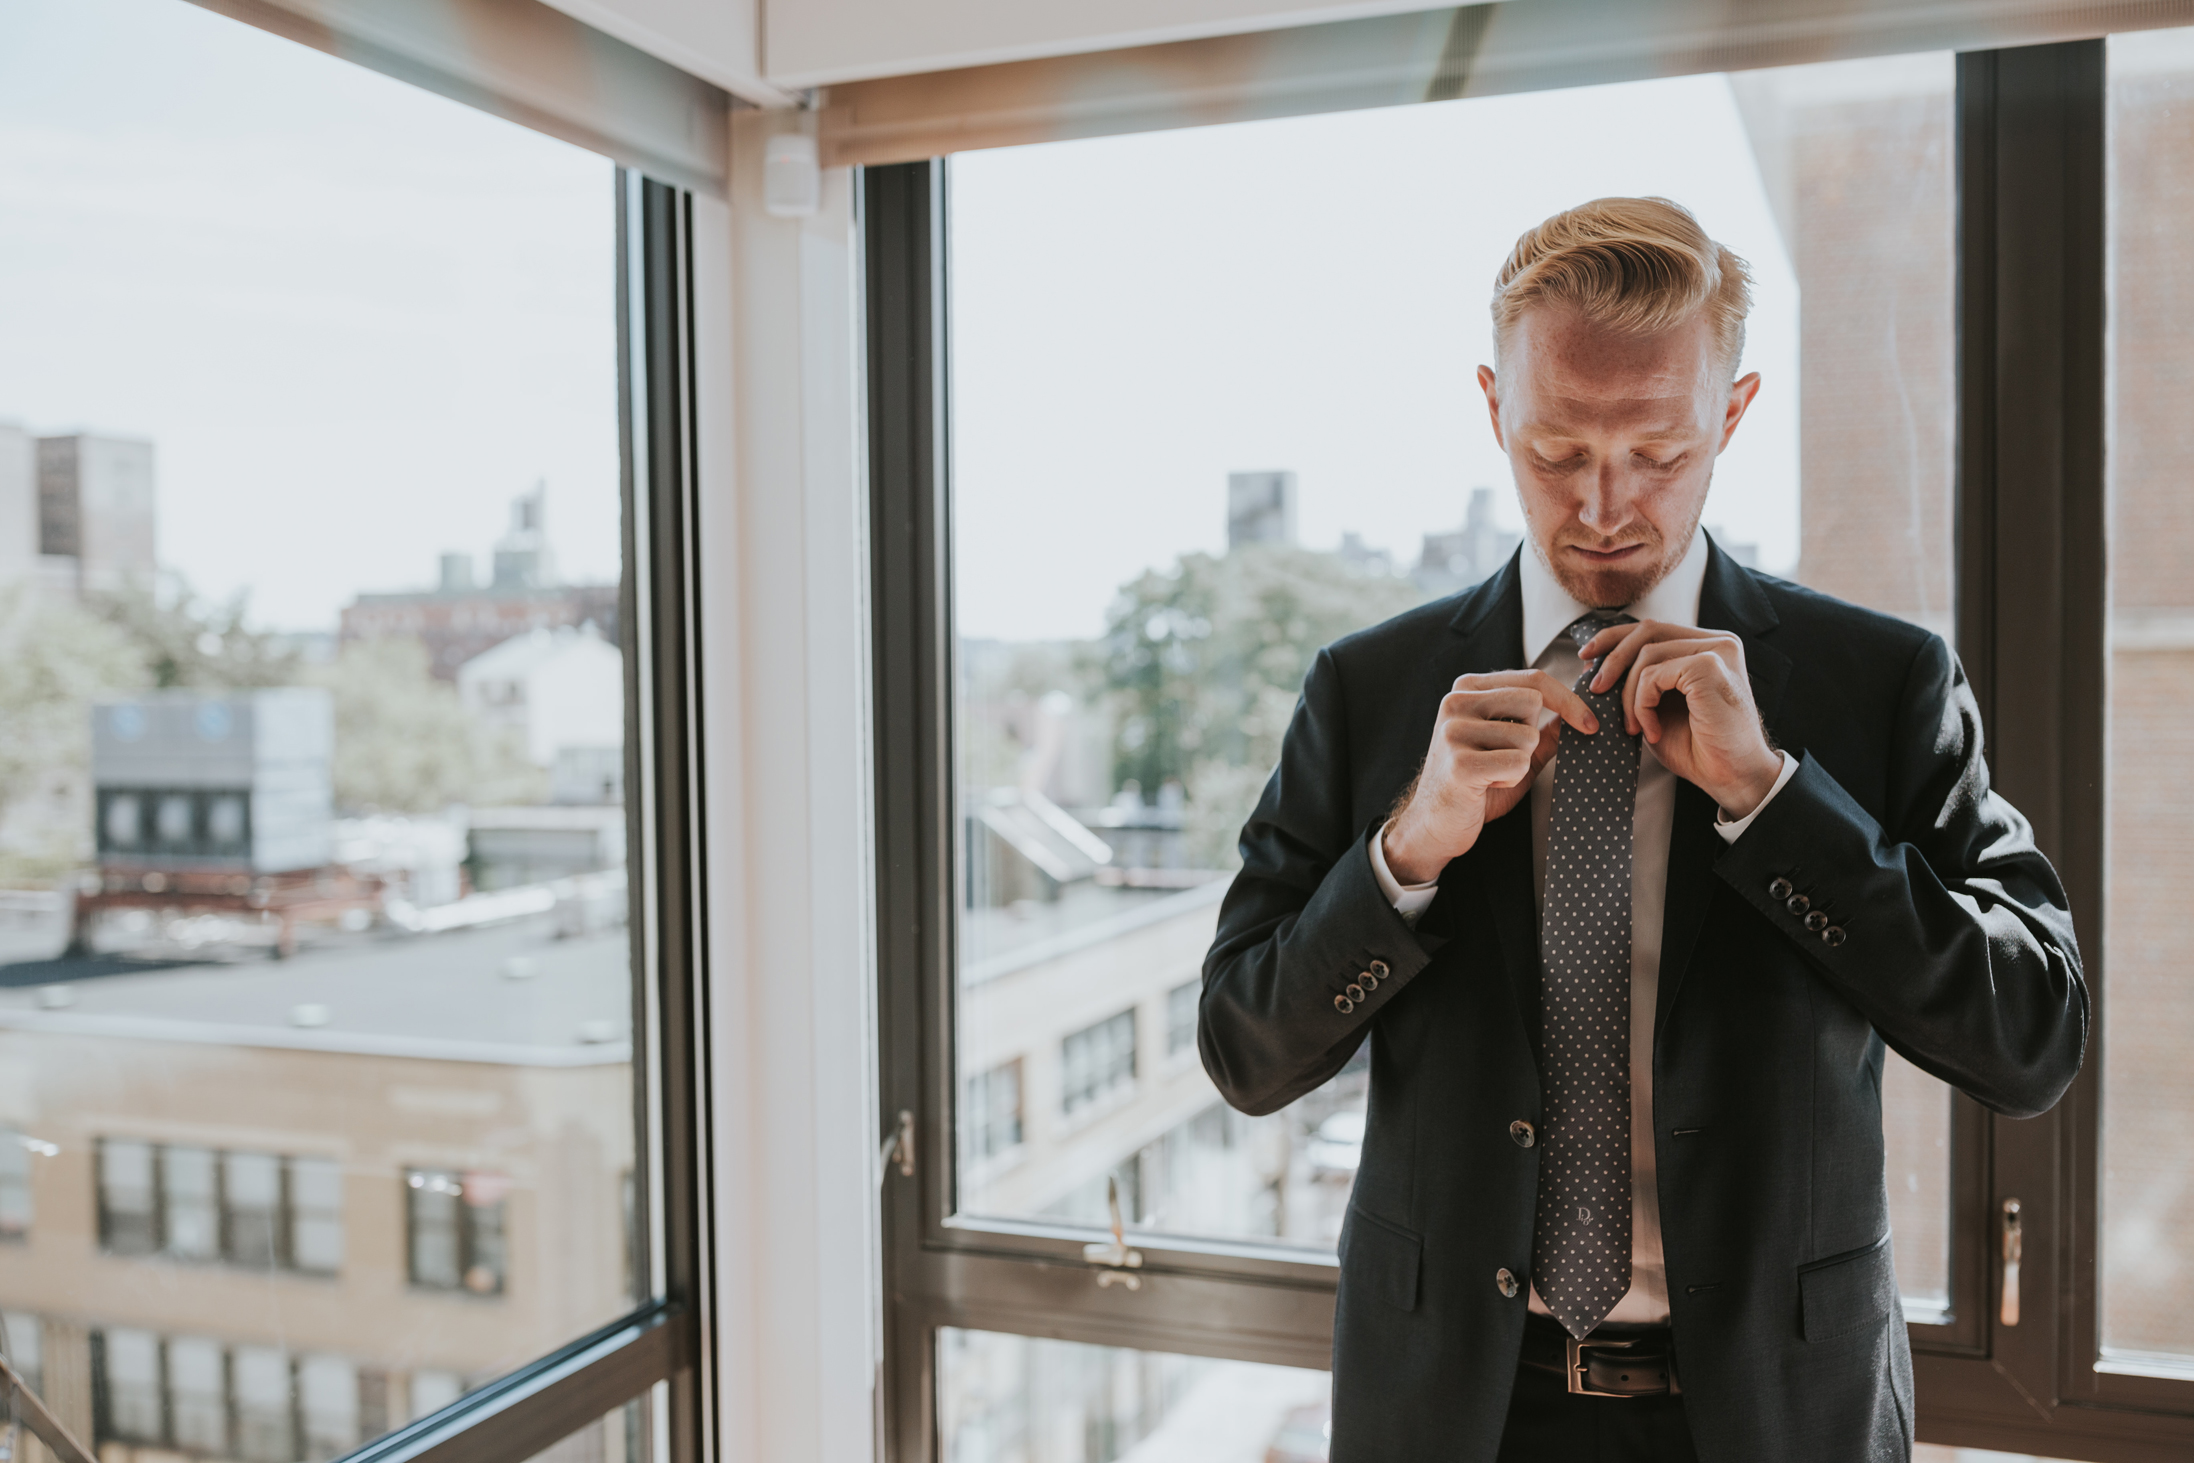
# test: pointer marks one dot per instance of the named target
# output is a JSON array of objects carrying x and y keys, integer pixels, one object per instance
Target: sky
[
  {"x": 1134, "y": 317},
  {"x": 355, "y": 335},
  {"x": 354, "y": 318}
]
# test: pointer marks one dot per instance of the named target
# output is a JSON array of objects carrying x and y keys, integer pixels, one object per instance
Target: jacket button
[
  {"x": 1368, "y": 981},
  {"x": 1378, "y": 969},
  {"x": 1505, "y": 1283},
  {"x": 1780, "y": 890},
  {"x": 1816, "y": 921},
  {"x": 1355, "y": 993},
  {"x": 1833, "y": 936},
  {"x": 1797, "y": 904},
  {"x": 1521, "y": 1132},
  {"x": 1343, "y": 1004}
]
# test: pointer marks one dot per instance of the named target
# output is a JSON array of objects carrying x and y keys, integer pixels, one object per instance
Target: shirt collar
[{"x": 1549, "y": 610}]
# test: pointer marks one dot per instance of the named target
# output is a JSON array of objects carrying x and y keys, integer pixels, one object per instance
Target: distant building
[
  {"x": 461, "y": 619},
  {"x": 1457, "y": 560},
  {"x": 522, "y": 557},
  {"x": 238, "y": 781},
  {"x": 1362, "y": 557},
  {"x": 1260, "y": 508},
  {"x": 95, "y": 506},
  {"x": 554, "y": 689}
]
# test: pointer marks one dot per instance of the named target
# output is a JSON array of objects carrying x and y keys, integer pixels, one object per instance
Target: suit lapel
[{"x": 1729, "y": 600}]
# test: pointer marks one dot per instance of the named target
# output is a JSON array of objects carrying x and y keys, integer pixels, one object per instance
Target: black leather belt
[{"x": 1627, "y": 1364}]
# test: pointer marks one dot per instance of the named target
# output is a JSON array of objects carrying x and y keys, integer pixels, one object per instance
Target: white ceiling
[{"x": 764, "y": 49}]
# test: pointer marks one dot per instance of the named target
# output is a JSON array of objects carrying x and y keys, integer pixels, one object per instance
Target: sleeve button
[
  {"x": 1368, "y": 981},
  {"x": 1505, "y": 1282},
  {"x": 1355, "y": 993},
  {"x": 1343, "y": 1005},
  {"x": 1378, "y": 969},
  {"x": 1780, "y": 890},
  {"x": 1797, "y": 904},
  {"x": 1833, "y": 936},
  {"x": 1816, "y": 921}
]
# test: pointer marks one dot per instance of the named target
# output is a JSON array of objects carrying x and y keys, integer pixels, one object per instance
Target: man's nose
[{"x": 1606, "y": 503}]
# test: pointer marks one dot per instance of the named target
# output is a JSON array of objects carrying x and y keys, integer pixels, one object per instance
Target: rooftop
[{"x": 511, "y": 993}]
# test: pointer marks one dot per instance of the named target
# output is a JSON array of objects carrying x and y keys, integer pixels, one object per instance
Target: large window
[
  {"x": 338, "y": 447},
  {"x": 2147, "y": 1222},
  {"x": 1202, "y": 403}
]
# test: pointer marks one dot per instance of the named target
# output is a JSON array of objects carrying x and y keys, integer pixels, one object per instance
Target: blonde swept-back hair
[{"x": 1636, "y": 264}]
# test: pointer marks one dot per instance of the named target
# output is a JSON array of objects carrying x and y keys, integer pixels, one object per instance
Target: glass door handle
[{"x": 2014, "y": 1241}]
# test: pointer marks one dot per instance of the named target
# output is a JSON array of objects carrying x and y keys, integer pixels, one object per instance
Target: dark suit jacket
[{"x": 1767, "y": 1059}]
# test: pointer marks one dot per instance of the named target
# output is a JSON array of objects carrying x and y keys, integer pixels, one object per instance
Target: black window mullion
[{"x": 2032, "y": 632}]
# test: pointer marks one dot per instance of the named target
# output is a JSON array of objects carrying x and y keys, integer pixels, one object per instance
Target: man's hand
[
  {"x": 1687, "y": 690},
  {"x": 1494, "y": 734}
]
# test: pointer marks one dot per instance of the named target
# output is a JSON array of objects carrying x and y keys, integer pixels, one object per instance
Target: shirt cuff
[
  {"x": 1409, "y": 900},
  {"x": 1730, "y": 830}
]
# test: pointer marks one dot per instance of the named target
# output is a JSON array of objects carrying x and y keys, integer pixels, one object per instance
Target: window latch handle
[
  {"x": 898, "y": 1150},
  {"x": 1115, "y": 1260},
  {"x": 2014, "y": 1242}
]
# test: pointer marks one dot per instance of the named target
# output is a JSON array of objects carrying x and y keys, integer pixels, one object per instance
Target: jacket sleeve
[
  {"x": 1947, "y": 928},
  {"x": 1304, "y": 921}
]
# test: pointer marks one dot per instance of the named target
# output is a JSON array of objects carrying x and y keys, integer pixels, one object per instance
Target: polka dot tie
[{"x": 1581, "y": 1235}]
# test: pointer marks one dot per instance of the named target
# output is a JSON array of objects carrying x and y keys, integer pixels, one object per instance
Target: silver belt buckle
[{"x": 1575, "y": 1372}]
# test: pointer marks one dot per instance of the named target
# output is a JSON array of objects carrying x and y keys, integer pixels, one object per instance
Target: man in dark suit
[{"x": 1689, "y": 845}]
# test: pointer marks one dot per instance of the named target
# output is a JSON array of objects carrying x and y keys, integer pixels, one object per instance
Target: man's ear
[
  {"x": 1493, "y": 404},
  {"x": 1741, "y": 392}
]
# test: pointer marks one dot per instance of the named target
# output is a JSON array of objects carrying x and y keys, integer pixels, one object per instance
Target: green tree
[
  {"x": 1205, "y": 661},
  {"x": 55, "y": 658},
  {"x": 188, "y": 641},
  {"x": 405, "y": 742}
]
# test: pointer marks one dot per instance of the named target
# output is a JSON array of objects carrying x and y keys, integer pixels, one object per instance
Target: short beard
[{"x": 1628, "y": 589}]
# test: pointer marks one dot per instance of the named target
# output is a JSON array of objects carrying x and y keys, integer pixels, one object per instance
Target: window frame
[
  {"x": 665, "y": 1340},
  {"x": 2029, "y": 508}
]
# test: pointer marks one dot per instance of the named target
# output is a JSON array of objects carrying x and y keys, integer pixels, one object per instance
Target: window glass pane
[
  {"x": 312, "y": 837},
  {"x": 2147, "y": 1004},
  {"x": 1020, "y": 1399},
  {"x": 1213, "y": 407}
]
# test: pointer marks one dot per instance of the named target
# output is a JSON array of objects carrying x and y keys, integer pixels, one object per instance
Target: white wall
[{"x": 763, "y": 50}]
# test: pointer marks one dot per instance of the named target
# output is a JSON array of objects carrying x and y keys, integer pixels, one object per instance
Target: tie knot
[{"x": 1584, "y": 627}]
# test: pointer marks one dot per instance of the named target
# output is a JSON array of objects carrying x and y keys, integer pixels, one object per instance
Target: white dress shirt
[{"x": 1548, "y": 611}]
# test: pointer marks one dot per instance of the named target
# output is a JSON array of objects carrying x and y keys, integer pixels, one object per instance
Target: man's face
[{"x": 1612, "y": 438}]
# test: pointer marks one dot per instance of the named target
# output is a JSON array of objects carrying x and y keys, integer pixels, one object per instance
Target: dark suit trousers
[{"x": 1546, "y": 1424}]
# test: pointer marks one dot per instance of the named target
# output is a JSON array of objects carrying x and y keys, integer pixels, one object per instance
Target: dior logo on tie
[{"x": 1583, "y": 1266}]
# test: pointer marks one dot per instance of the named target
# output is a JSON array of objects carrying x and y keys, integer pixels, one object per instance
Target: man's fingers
[
  {"x": 1494, "y": 703},
  {"x": 1503, "y": 768},
  {"x": 1467, "y": 735},
  {"x": 1687, "y": 675},
  {"x": 1567, "y": 704}
]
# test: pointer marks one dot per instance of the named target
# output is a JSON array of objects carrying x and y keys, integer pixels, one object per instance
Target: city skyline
[{"x": 375, "y": 324}]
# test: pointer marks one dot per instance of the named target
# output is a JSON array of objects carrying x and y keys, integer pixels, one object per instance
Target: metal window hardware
[
  {"x": 1115, "y": 1259},
  {"x": 2014, "y": 1241},
  {"x": 898, "y": 1150}
]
